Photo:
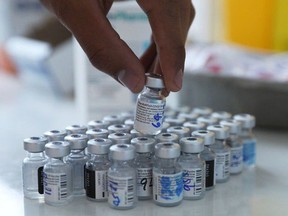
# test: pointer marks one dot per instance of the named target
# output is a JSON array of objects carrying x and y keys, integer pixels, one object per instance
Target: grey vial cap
[
  {"x": 113, "y": 119},
  {"x": 192, "y": 144},
  {"x": 99, "y": 146},
  {"x": 202, "y": 111},
  {"x": 234, "y": 126},
  {"x": 248, "y": 121},
  {"x": 57, "y": 149},
  {"x": 208, "y": 136},
  {"x": 119, "y": 128},
  {"x": 167, "y": 137},
  {"x": 154, "y": 81},
  {"x": 221, "y": 132},
  {"x": 97, "y": 133},
  {"x": 167, "y": 150},
  {"x": 221, "y": 115},
  {"x": 207, "y": 120},
  {"x": 98, "y": 124},
  {"x": 122, "y": 152},
  {"x": 174, "y": 121},
  {"x": 120, "y": 138},
  {"x": 35, "y": 144},
  {"x": 165, "y": 125},
  {"x": 188, "y": 116},
  {"x": 77, "y": 141},
  {"x": 143, "y": 144},
  {"x": 55, "y": 135},
  {"x": 180, "y": 131},
  {"x": 129, "y": 122},
  {"x": 76, "y": 129},
  {"x": 194, "y": 125}
]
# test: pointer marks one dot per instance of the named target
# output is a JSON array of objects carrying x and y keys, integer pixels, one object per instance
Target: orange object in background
[{"x": 6, "y": 63}]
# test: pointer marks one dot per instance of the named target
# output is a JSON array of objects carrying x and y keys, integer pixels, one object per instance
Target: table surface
[{"x": 25, "y": 111}]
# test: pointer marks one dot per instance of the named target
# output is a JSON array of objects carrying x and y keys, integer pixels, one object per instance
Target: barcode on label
[
  {"x": 63, "y": 186},
  {"x": 130, "y": 187},
  {"x": 227, "y": 165}
]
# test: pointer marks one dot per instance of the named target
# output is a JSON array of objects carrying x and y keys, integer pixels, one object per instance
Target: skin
[{"x": 169, "y": 20}]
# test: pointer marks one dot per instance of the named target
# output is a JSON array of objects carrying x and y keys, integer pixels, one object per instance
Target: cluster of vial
[{"x": 140, "y": 155}]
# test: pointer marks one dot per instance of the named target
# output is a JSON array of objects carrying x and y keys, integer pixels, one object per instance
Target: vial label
[
  {"x": 222, "y": 165},
  {"x": 144, "y": 182},
  {"x": 210, "y": 174},
  {"x": 121, "y": 191},
  {"x": 236, "y": 163},
  {"x": 55, "y": 186},
  {"x": 96, "y": 184},
  {"x": 249, "y": 152},
  {"x": 149, "y": 116},
  {"x": 193, "y": 180},
  {"x": 40, "y": 180},
  {"x": 167, "y": 188}
]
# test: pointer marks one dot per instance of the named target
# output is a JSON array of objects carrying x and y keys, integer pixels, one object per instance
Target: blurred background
[{"x": 236, "y": 61}]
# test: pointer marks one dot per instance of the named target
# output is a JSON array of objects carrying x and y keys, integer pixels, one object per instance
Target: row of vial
[{"x": 122, "y": 165}]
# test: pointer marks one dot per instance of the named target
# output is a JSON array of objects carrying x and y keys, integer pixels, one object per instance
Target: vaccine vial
[
  {"x": 150, "y": 107},
  {"x": 98, "y": 124},
  {"x": 97, "y": 133},
  {"x": 96, "y": 169},
  {"x": 57, "y": 175},
  {"x": 76, "y": 129},
  {"x": 174, "y": 121},
  {"x": 120, "y": 138},
  {"x": 202, "y": 110},
  {"x": 222, "y": 152},
  {"x": 113, "y": 119},
  {"x": 188, "y": 116},
  {"x": 167, "y": 175},
  {"x": 119, "y": 128},
  {"x": 143, "y": 161},
  {"x": 193, "y": 125},
  {"x": 180, "y": 131},
  {"x": 193, "y": 167},
  {"x": 77, "y": 159},
  {"x": 207, "y": 120},
  {"x": 248, "y": 139},
  {"x": 221, "y": 115},
  {"x": 208, "y": 156},
  {"x": 234, "y": 142},
  {"x": 32, "y": 167},
  {"x": 167, "y": 137},
  {"x": 122, "y": 192},
  {"x": 55, "y": 135}
]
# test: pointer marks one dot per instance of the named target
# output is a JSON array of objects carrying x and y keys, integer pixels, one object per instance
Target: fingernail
[
  {"x": 130, "y": 80},
  {"x": 178, "y": 79}
]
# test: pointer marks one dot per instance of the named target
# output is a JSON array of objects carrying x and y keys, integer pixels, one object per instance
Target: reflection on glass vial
[
  {"x": 222, "y": 152},
  {"x": 122, "y": 192},
  {"x": 167, "y": 175},
  {"x": 98, "y": 124},
  {"x": 180, "y": 131},
  {"x": 57, "y": 175},
  {"x": 119, "y": 128},
  {"x": 208, "y": 156},
  {"x": 193, "y": 167},
  {"x": 194, "y": 125},
  {"x": 96, "y": 169},
  {"x": 76, "y": 129},
  {"x": 32, "y": 167},
  {"x": 120, "y": 138},
  {"x": 55, "y": 135},
  {"x": 167, "y": 137},
  {"x": 77, "y": 159},
  {"x": 150, "y": 107}
]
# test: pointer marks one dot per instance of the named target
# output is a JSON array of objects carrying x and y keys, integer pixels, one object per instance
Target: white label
[
  {"x": 55, "y": 186},
  {"x": 101, "y": 191},
  {"x": 121, "y": 191},
  {"x": 193, "y": 181},
  {"x": 236, "y": 163},
  {"x": 222, "y": 165},
  {"x": 167, "y": 188},
  {"x": 144, "y": 182},
  {"x": 149, "y": 117}
]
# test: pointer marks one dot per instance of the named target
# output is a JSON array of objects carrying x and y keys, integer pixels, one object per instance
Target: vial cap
[
  {"x": 234, "y": 126},
  {"x": 154, "y": 81},
  {"x": 248, "y": 121},
  {"x": 143, "y": 144},
  {"x": 221, "y": 115},
  {"x": 119, "y": 128},
  {"x": 194, "y": 125},
  {"x": 182, "y": 109},
  {"x": 97, "y": 133},
  {"x": 202, "y": 111},
  {"x": 167, "y": 150},
  {"x": 208, "y": 136},
  {"x": 192, "y": 144},
  {"x": 99, "y": 146},
  {"x": 179, "y": 130},
  {"x": 35, "y": 144},
  {"x": 76, "y": 129},
  {"x": 122, "y": 152},
  {"x": 221, "y": 132},
  {"x": 55, "y": 135},
  {"x": 129, "y": 122},
  {"x": 120, "y": 138},
  {"x": 113, "y": 119},
  {"x": 174, "y": 121},
  {"x": 167, "y": 137},
  {"x": 77, "y": 141},
  {"x": 57, "y": 149},
  {"x": 98, "y": 124},
  {"x": 188, "y": 116},
  {"x": 207, "y": 120},
  {"x": 165, "y": 125}
]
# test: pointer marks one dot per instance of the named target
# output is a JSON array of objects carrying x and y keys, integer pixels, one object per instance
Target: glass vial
[
  {"x": 180, "y": 131},
  {"x": 248, "y": 139},
  {"x": 150, "y": 107},
  {"x": 96, "y": 169},
  {"x": 208, "y": 156},
  {"x": 58, "y": 181},
  {"x": 222, "y": 152},
  {"x": 76, "y": 129},
  {"x": 167, "y": 175},
  {"x": 143, "y": 161},
  {"x": 122, "y": 192},
  {"x": 32, "y": 167},
  {"x": 55, "y": 135},
  {"x": 193, "y": 167},
  {"x": 77, "y": 159},
  {"x": 236, "y": 147}
]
